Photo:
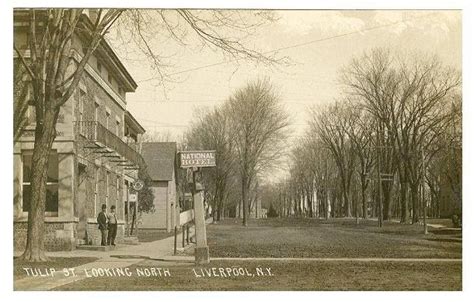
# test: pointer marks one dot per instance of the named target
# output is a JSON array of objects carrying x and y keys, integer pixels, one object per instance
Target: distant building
[
  {"x": 256, "y": 210},
  {"x": 94, "y": 158},
  {"x": 160, "y": 159}
]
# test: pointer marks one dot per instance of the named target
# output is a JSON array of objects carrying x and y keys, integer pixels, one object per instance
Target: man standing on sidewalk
[
  {"x": 112, "y": 226},
  {"x": 102, "y": 221}
]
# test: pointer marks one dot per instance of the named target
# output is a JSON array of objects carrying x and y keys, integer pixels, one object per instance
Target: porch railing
[{"x": 97, "y": 133}]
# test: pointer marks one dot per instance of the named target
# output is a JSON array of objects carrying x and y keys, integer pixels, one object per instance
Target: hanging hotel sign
[{"x": 189, "y": 159}]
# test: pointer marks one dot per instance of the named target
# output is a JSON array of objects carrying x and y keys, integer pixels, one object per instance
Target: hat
[
  {"x": 112, "y": 207},
  {"x": 104, "y": 206}
]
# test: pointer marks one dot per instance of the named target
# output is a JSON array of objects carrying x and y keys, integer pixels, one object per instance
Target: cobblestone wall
[
  {"x": 94, "y": 235},
  {"x": 59, "y": 236}
]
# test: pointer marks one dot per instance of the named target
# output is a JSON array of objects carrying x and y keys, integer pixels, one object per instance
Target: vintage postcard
[{"x": 176, "y": 149}]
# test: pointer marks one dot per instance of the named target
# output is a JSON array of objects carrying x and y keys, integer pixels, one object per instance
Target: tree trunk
[
  {"x": 245, "y": 207},
  {"x": 326, "y": 204},
  {"x": 347, "y": 202},
  {"x": 45, "y": 134},
  {"x": 404, "y": 202},
  {"x": 364, "y": 202},
  {"x": 414, "y": 203},
  {"x": 219, "y": 206},
  {"x": 387, "y": 194}
]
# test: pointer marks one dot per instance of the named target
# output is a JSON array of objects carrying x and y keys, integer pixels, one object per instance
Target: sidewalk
[{"x": 122, "y": 256}]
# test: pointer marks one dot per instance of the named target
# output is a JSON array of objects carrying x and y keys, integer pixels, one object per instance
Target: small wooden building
[{"x": 160, "y": 158}]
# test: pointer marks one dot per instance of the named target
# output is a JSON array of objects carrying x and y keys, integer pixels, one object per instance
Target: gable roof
[{"x": 160, "y": 159}]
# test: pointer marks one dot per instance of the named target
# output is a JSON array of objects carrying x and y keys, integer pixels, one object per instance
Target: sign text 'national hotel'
[{"x": 190, "y": 159}]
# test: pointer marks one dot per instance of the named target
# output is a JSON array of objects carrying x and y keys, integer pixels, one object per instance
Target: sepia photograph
[{"x": 236, "y": 149}]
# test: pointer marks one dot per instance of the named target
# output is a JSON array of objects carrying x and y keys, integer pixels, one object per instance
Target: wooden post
[
  {"x": 175, "y": 240},
  {"x": 183, "y": 230},
  {"x": 187, "y": 233},
  {"x": 201, "y": 251}
]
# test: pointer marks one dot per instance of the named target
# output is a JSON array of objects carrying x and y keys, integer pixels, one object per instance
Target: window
[
  {"x": 96, "y": 112},
  {"x": 120, "y": 91},
  {"x": 107, "y": 118},
  {"x": 117, "y": 128},
  {"x": 109, "y": 78},
  {"x": 52, "y": 183},
  {"x": 81, "y": 106},
  {"x": 99, "y": 67},
  {"x": 80, "y": 118},
  {"x": 31, "y": 113}
]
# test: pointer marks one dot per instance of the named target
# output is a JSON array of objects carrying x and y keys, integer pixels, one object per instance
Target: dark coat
[{"x": 102, "y": 221}]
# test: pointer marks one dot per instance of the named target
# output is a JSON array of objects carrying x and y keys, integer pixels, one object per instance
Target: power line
[{"x": 298, "y": 45}]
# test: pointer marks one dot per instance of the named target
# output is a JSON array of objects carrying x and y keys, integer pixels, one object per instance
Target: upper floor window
[
  {"x": 99, "y": 67},
  {"x": 51, "y": 185},
  {"x": 82, "y": 98},
  {"x": 117, "y": 128},
  {"x": 22, "y": 39},
  {"x": 96, "y": 112},
  {"x": 31, "y": 112},
  {"x": 109, "y": 78},
  {"x": 107, "y": 119}
]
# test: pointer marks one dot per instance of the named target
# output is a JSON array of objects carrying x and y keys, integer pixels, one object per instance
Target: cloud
[
  {"x": 325, "y": 22},
  {"x": 436, "y": 24}
]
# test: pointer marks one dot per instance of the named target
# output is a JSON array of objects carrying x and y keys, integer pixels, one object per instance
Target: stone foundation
[
  {"x": 59, "y": 236},
  {"x": 93, "y": 235}
]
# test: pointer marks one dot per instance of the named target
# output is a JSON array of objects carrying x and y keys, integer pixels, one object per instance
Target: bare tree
[
  {"x": 406, "y": 96},
  {"x": 21, "y": 99},
  {"x": 360, "y": 132},
  {"x": 158, "y": 136},
  {"x": 259, "y": 123},
  {"x": 54, "y": 78},
  {"x": 213, "y": 131},
  {"x": 331, "y": 126},
  {"x": 55, "y": 74}
]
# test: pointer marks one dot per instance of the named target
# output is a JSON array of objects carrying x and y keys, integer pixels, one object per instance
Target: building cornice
[{"x": 94, "y": 75}]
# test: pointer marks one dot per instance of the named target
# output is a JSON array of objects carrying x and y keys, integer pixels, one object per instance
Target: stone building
[{"x": 94, "y": 158}]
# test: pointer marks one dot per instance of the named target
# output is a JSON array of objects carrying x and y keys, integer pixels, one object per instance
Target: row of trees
[
  {"x": 391, "y": 144},
  {"x": 248, "y": 132}
]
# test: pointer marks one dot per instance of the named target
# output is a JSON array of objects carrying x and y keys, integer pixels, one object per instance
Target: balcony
[{"x": 109, "y": 145}]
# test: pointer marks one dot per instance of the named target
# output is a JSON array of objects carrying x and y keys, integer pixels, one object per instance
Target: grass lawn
[
  {"x": 311, "y": 275},
  {"x": 332, "y": 238},
  {"x": 58, "y": 263},
  {"x": 306, "y": 238}
]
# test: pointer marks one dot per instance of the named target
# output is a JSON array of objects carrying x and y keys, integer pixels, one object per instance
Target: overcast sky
[{"x": 310, "y": 79}]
